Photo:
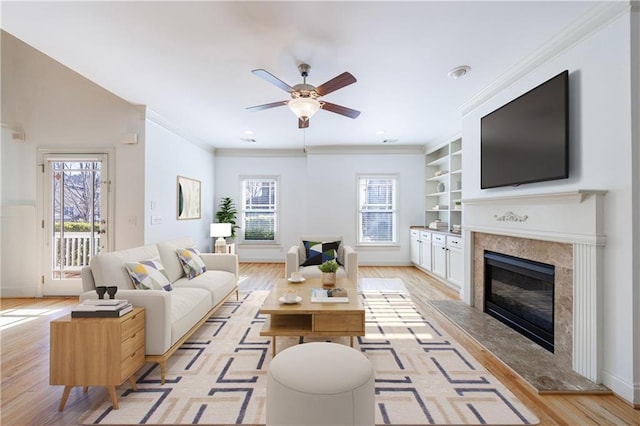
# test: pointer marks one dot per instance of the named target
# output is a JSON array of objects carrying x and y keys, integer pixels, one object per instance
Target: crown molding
[
  {"x": 246, "y": 152},
  {"x": 365, "y": 149},
  {"x": 593, "y": 20}
]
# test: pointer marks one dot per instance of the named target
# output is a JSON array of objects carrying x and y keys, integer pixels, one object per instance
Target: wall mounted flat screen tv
[{"x": 527, "y": 140}]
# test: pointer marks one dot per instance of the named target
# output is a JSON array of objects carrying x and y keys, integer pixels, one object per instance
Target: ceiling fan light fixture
[{"x": 304, "y": 108}]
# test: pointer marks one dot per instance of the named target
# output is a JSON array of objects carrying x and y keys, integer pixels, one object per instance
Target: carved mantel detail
[{"x": 510, "y": 217}]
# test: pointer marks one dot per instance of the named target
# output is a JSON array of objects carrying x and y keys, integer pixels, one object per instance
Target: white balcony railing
[{"x": 75, "y": 250}]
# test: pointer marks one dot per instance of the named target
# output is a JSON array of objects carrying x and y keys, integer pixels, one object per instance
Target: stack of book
[
  {"x": 101, "y": 308},
  {"x": 334, "y": 295}
]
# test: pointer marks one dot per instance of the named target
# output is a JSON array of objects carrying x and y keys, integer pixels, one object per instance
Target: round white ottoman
[{"x": 320, "y": 383}]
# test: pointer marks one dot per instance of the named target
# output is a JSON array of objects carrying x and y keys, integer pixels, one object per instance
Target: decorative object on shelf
[
  {"x": 101, "y": 290},
  {"x": 439, "y": 173},
  {"x": 457, "y": 204},
  {"x": 189, "y": 195},
  {"x": 458, "y": 184},
  {"x": 510, "y": 217},
  {"x": 227, "y": 213},
  {"x": 221, "y": 231},
  {"x": 441, "y": 187},
  {"x": 328, "y": 270},
  {"x": 456, "y": 229},
  {"x": 438, "y": 225},
  {"x": 111, "y": 291}
]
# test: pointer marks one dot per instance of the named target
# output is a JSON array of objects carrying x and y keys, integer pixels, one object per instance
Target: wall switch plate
[{"x": 156, "y": 220}]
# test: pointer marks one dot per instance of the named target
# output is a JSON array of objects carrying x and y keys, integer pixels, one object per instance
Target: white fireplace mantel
[{"x": 574, "y": 217}]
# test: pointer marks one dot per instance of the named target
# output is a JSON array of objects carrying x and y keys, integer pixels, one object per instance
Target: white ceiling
[{"x": 191, "y": 62}]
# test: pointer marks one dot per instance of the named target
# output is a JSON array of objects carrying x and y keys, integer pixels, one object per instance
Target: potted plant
[
  {"x": 328, "y": 270},
  {"x": 227, "y": 213}
]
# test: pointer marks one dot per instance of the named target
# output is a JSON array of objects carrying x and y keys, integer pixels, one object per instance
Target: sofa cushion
[
  {"x": 169, "y": 258},
  {"x": 217, "y": 283},
  {"x": 313, "y": 272},
  {"x": 149, "y": 274},
  {"x": 109, "y": 268},
  {"x": 191, "y": 261},
  {"x": 318, "y": 252},
  {"x": 187, "y": 308}
]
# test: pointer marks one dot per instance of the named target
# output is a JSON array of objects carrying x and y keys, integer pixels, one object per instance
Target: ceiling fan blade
[
  {"x": 303, "y": 124},
  {"x": 336, "y": 83},
  {"x": 339, "y": 109},
  {"x": 267, "y": 106},
  {"x": 266, "y": 75}
]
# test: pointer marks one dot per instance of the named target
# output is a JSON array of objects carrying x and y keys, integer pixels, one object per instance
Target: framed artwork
[{"x": 189, "y": 194}]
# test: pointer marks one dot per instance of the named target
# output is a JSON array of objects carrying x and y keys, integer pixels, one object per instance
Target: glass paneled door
[{"x": 75, "y": 221}]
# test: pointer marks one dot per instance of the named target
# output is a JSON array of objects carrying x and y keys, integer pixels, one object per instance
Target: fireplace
[
  {"x": 563, "y": 229},
  {"x": 520, "y": 293}
]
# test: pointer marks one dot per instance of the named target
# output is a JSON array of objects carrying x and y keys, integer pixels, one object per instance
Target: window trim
[
  {"x": 276, "y": 211},
  {"x": 395, "y": 210}
]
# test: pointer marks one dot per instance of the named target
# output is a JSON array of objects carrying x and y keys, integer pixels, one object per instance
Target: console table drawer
[
  {"x": 132, "y": 344},
  {"x": 338, "y": 322},
  {"x": 132, "y": 323}
]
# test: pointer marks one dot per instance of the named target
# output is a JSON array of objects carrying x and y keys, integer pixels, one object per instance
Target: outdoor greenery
[
  {"x": 77, "y": 227},
  {"x": 227, "y": 213}
]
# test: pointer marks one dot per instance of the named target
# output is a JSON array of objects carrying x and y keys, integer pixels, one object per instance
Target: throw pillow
[
  {"x": 149, "y": 275},
  {"x": 319, "y": 252},
  {"x": 191, "y": 261}
]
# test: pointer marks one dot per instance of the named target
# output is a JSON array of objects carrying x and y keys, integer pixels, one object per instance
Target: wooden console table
[{"x": 96, "y": 352}]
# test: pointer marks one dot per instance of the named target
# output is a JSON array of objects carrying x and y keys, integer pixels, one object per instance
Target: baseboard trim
[
  {"x": 622, "y": 388},
  {"x": 18, "y": 292}
]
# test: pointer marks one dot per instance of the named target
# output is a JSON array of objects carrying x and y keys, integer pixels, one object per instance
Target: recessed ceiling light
[
  {"x": 248, "y": 132},
  {"x": 380, "y": 132},
  {"x": 460, "y": 71}
]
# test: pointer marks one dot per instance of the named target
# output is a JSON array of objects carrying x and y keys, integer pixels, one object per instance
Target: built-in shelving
[{"x": 443, "y": 184}]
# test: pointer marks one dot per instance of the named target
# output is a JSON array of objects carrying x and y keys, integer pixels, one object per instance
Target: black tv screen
[{"x": 527, "y": 140}]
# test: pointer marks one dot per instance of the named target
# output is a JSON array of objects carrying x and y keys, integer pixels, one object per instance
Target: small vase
[{"x": 328, "y": 278}]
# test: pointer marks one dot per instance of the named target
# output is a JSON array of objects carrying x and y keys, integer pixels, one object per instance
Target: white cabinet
[
  {"x": 425, "y": 257},
  {"x": 455, "y": 263},
  {"x": 439, "y": 248},
  {"x": 415, "y": 247}
]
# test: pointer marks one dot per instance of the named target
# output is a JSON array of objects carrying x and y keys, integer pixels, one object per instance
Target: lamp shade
[
  {"x": 304, "y": 108},
  {"x": 220, "y": 229}
]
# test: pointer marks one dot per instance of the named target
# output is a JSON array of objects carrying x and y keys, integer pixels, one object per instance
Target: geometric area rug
[{"x": 218, "y": 377}]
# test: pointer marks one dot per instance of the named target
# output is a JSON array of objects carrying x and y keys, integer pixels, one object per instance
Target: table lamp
[{"x": 220, "y": 230}]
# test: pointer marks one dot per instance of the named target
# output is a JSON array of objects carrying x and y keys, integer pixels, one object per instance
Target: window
[
  {"x": 260, "y": 209},
  {"x": 377, "y": 209}
]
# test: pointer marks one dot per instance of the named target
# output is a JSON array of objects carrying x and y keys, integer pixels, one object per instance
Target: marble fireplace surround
[{"x": 564, "y": 229}]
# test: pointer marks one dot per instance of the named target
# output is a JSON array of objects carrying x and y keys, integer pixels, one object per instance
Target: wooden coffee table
[{"x": 312, "y": 319}]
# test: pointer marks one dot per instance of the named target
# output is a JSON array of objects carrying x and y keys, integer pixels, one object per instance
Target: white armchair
[{"x": 347, "y": 258}]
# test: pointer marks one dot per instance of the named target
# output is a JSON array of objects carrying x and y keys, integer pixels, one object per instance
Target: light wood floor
[{"x": 27, "y": 398}]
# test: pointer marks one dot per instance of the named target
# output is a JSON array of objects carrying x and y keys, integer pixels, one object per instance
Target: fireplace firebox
[{"x": 520, "y": 292}]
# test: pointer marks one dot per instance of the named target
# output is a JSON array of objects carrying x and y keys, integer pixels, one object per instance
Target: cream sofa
[
  {"x": 347, "y": 258},
  {"x": 170, "y": 316}
]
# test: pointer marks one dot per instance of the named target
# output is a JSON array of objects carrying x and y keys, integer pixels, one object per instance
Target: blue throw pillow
[{"x": 319, "y": 252}]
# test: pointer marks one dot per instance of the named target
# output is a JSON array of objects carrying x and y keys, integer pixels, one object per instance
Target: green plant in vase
[
  {"x": 227, "y": 213},
  {"x": 328, "y": 270}
]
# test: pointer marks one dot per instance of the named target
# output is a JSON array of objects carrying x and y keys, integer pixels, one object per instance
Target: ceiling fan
[{"x": 304, "y": 97}]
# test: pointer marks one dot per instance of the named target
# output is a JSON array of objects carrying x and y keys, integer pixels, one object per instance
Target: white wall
[
  {"x": 318, "y": 195},
  {"x": 56, "y": 107},
  {"x": 601, "y": 158},
  {"x": 167, "y": 156}
]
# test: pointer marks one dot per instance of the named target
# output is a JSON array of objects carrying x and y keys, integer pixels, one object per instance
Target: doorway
[{"x": 75, "y": 221}]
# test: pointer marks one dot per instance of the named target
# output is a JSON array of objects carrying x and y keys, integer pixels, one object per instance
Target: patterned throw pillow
[
  {"x": 149, "y": 275},
  {"x": 319, "y": 252},
  {"x": 191, "y": 261}
]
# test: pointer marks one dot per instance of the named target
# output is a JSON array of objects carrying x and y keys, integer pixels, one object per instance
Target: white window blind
[
  {"x": 259, "y": 209},
  {"x": 377, "y": 212}
]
